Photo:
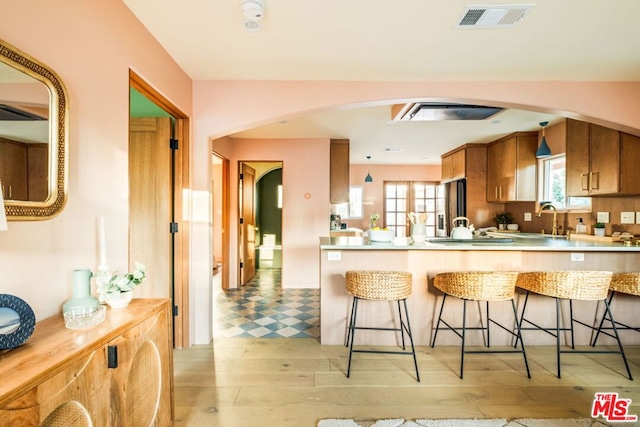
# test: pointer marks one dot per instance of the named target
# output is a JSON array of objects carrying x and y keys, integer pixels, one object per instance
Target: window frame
[{"x": 544, "y": 191}]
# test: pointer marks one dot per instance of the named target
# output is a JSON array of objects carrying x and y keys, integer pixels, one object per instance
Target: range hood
[{"x": 433, "y": 111}]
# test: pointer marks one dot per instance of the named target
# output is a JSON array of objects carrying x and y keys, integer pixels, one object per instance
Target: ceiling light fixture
[
  {"x": 253, "y": 11},
  {"x": 543, "y": 149},
  {"x": 368, "y": 178}
]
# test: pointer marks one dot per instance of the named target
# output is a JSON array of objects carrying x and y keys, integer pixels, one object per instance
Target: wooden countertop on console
[{"x": 52, "y": 347}]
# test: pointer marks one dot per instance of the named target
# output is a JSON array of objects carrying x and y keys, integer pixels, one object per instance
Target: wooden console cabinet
[{"x": 117, "y": 373}]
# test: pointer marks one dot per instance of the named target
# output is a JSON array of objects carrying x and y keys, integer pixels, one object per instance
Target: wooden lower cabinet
[{"x": 118, "y": 373}]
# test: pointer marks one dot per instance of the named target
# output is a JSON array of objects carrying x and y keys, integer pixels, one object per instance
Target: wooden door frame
[
  {"x": 182, "y": 179},
  {"x": 225, "y": 179}
]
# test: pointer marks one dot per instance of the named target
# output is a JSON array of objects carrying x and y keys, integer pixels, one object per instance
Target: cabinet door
[
  {"x": 629, "y": 161},
  {"x": 446, "y": 168},
  {"x": 494, "y": 172},
  {"x": 526, "y": 165},
  {"x": 458, "y": 164},
  {"x": 577, "y": 158},
  {"x": 501, "y": 171},
  {"x": 141, "y": 381},
  {"x": 339, "y": 171},
  {"x": 604, "y": 159},
  {"x": 77, "y": 396}
]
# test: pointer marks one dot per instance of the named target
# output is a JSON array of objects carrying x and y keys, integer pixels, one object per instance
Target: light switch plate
[
  {"x": 334, "y": 255},
  {"x": 527, "y": 216},
  {"x": 637, "y": 217},
  {"x": 627, "y": 218},
  {"x": 603, "y": 217}
]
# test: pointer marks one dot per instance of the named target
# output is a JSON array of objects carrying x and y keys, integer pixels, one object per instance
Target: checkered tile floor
[{"x": 262, "y": 309}]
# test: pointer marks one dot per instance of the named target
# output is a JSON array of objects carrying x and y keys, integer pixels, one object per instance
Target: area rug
[{"x": 523, "y": 422}]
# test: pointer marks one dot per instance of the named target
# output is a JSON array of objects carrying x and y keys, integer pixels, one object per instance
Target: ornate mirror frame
[{"x": 17, "y": 210}]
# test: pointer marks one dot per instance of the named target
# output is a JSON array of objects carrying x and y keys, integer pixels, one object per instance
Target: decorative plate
[{"x": 17, "y": 321}]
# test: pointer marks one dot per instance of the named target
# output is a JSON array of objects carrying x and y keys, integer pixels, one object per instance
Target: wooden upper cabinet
[
  {"x": 454, "y": 166},
  {"x": 339, "y": 171},
  {"x": 511, "y": 168},
  {"x": 595, "y": 164}
]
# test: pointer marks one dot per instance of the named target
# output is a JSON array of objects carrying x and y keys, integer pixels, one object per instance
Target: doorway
[
  {"x": 260, "y": 195},
  {"x": 158, "y": 172}
]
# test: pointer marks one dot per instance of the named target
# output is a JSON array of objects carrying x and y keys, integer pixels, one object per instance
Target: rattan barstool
[
  {"x": 487, "y": 286},
  {"x": 380, "y": 286},
  {"x": 626, "y": 283},
  {"x": 569, "y": 285}
]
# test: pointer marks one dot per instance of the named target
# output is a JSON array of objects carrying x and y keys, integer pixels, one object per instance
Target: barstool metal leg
[
  {"x": 519, "y": 337},
  {"x": 573, "y": 342},
  {"x": 352, "y": 330},
  {"x": 464, "y": 330},
  {"x": 433, "y": 342},
  {"x": 353, "y": 303},
  {"x": 615, "y": 332},
  {"x": 558, "y": 334},
  {"x": 604, "y": 317},
  {"x": 401, "y": 323},
  {"x": 488, "y": 322},
  {"x": 410, "y": 334}
]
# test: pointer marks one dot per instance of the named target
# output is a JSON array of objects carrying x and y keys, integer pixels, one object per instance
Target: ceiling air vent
[
  {"x": 434, "y": 111},
  {"x": 496, "y": 16}
]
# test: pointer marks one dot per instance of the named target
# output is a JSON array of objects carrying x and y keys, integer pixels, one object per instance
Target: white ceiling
[{"x": 403, "y": 40}]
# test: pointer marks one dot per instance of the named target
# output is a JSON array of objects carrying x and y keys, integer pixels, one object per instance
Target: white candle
[{"x": 102, "y": 244}]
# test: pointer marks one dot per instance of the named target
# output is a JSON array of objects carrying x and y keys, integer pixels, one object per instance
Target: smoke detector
[{"x": 253, "y": 11}]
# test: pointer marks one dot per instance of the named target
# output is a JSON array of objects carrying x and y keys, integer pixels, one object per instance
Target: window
[
  {"x": 554, "y": 185},
  {"x": 400, "y": 198},
  {"x": 353, "y": 209}
]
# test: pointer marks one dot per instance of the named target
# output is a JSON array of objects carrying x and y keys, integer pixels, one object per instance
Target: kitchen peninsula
[{"x": 425, "y": 260}]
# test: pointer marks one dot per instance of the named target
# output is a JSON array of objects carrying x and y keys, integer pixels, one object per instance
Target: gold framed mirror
[{"x": 34, "y": 132}]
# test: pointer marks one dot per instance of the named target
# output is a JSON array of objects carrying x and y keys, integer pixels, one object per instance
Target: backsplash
[{"x": 567, "y": 221}]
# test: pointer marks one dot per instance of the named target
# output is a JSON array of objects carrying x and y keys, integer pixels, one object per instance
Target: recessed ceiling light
[{"x": 393, "y": 149}]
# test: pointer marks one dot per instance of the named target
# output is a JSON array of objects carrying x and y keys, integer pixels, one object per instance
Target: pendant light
[
  {"x": 543, "y": 149},
  {"x": 368, "y": 178}
]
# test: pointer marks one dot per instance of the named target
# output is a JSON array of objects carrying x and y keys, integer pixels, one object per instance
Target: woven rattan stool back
[
  {"x": 575, "y": 285},
  {"x": 478, "y": 285},
  {"x": 378, "y": 285},
  {"x": 627, "y": 283}
]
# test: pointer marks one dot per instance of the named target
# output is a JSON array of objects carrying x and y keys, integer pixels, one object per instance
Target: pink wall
[
  {"x": 304, "y": 219},
  {"x": 91, "y": 46}
]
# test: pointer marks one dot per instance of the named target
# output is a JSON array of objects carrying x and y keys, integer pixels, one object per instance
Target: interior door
[
  {"x": 150, "y": 204},
  {"x": 247, "y": 224}
]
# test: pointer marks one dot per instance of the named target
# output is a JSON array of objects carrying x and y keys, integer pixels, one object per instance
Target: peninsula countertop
[{"x": 529, "y": 242}]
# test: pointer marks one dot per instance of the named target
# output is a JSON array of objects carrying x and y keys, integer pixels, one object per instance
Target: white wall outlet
[
  {"x": 334, "y": 255},
  {"x": 603, "y": 217},
  {"x": 637, "y": 217},
  {"x": 527, "y": 216},
  {"x": 627, "y": 218},
  {"x": 577, "y": 256}
]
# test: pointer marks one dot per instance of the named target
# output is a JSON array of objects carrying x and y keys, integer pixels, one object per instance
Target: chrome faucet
[{"x": 554, "y": 231}]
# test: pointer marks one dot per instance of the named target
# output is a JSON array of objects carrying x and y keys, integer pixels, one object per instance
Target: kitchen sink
[
  {"x": 525, "y": 235},
  {"x": 476, "y": 239}
]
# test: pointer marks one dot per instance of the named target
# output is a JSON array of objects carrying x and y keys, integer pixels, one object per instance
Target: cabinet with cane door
[{"x": 117, "y": 373}]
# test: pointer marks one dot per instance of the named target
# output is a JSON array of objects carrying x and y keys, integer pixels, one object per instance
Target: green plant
[
  {"x": 110, "y": 283},
  {"x": 599, "y": 225},
  {"x": 503, "y": 218}
]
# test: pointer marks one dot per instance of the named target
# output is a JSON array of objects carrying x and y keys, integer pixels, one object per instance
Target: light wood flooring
[{"x": 238, "y": 382}]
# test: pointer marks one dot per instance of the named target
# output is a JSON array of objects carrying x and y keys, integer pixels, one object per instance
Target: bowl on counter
[{"x": 381, "y": 235}]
